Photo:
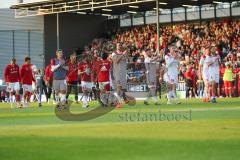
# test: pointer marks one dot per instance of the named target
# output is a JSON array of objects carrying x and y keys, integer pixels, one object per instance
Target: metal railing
[{"x": 72, "y": 6}]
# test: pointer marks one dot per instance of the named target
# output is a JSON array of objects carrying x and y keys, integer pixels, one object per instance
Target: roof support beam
[
  {"x": 215, "y": 12},
  {"x": 157, "y": 21},
  {"x": 172, "y": 16},
  {"x": 57, "y": 25},
  {"x": 230, "y": 9},
  {"x": 200, "y": 14},
  {"x": 185, "y": 13}
]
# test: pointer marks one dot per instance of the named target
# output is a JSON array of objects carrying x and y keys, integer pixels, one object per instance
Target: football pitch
[{"x": 190, "y": 131}]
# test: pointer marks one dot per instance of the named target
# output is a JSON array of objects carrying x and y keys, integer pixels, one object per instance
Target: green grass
[{"x": 36, "y": 133}]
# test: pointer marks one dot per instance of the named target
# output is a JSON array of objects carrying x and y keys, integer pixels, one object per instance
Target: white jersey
[
  {"x": 204, "y": 62},
  {"x": 172, "y": 65},
  {"x": 147, "y": 59},
  {"x": 214, "y": 68}
]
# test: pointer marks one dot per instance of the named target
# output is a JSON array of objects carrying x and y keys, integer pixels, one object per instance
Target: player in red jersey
[
  {"x": 95, "y": 61},
  {"x": 48, "y": 78},
  {"x": 72, "y": 77},
  {"x": 103, "y": 70},
  {"x": 12, "y": 78},
  {"x": 84, "y": 70},
  {"x": 26, "y": 75}
]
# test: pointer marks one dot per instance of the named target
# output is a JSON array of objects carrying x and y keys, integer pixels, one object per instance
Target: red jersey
[
  {"x": 72, "y": 75},
  {"x": 104, "y": 70},
  {"x": 86, "y": 68},
  {"x": 3, "y": 94},
  {"x": 188, "y": 74},
  {"x": 26, "y": 74},
  {"x": 221, "y": 71},
  {"x": 95, "y": 69},
  {"x": 11, "y": 73},
  {"x": 194, "y": 77},
  {"x": 238, "y": 72},
  {"x": 48, "y": 73}
]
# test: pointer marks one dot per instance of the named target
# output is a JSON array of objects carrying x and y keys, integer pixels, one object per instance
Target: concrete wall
[
  {"x": 20, "y": 38},
  {"x": 75, "y": 32}
]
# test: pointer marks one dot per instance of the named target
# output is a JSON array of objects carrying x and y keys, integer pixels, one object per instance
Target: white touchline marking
[{"x": 206, "y": 109}]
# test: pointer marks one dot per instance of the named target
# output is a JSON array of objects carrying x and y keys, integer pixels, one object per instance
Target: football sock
[
  {"x": 155, "y": 99},
  {"x": 17, "y": 98},
  {"x": 63, "y": 98}
]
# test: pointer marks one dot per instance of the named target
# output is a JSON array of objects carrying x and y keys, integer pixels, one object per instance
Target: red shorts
[{"x": 228, "y": 84}]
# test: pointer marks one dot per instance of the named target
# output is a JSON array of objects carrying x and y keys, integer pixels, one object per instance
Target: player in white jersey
[
  {"x": 171, "y": 75},
  {"x": 204, "y": 72},
  {"x": 119, "y": 61},
  {"x": 213, "y": 69},
  {"x": 151, "y": 67}
]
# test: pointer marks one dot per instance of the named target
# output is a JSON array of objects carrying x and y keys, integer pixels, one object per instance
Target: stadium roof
[{"x": 104, "y": 7}]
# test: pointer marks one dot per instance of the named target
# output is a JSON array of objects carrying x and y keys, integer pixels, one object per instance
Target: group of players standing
[
  {"x": 62, "y": 76},
  {"x": 107, "y": 72}
]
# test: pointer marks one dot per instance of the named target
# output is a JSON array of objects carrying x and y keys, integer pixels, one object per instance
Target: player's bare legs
[
  {"x": 169, "y": 93},
  {"x": 104, "y": 97},
  {"x": 85, "y": 98},
  {"x": 63, "y": 97},
  {"x": 119, "y": 95},
  {"x": 152, "y": 93},
  {"x": 214, "y": 91},
  {"x": 174, "y": 92},
  {"x": 17, "y": 98},
  {"x": 206, "y": 94}
]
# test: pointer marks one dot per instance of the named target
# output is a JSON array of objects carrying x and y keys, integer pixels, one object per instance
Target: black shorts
[{"x": 189, "y": 83}]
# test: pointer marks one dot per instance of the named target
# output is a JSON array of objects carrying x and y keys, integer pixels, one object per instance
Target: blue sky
[{"x": 8, "y": 3}]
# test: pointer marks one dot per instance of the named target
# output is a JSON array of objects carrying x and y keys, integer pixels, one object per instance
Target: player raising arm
[
  {"x": 171, "y": 78},
  {"x": 59, "y": 69},
  {"x": 119, "y": 60},
  {"x": 84, "y": 70},
  {"x": 213, "y": 69},
  {"x": 150, "y": 64}
]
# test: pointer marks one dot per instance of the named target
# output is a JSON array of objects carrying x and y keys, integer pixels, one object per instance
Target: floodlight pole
[
  {"x": 57, "y": 30},
  {"x": 158, "y": 34}
]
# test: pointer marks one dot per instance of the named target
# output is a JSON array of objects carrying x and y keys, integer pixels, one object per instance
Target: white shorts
[
  {"x": 86, "y": 85},
  {"x": 34, "y": 86},
  {"x": 171, "y": 79},
  {"x": 13, "y": 87},
  {"x": 205, "y": 76},
  {"x": 214, "y": 77},
  {"x": 27, "y": 88}
]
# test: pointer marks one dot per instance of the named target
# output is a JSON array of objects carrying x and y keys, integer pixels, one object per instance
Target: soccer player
[
  {"x": 48, "y": 78},
  {"x": 12, "y": 79},
  {"x": 213, "y": 69},
  {"x": 150, "y": 64},
  {"x": 172, "y": 65},
  {"x": 104, "y": 66},
  {"x": 119, "y": 59},
  {"x": 72, "y": 77},
  {"x": 204, "y": 72},
  {"x": 59, "y": 69},
  {"x": 27, "y": 78},
  {"x": 84, "y": 70},
  {"x": 40, "y": 86}
]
